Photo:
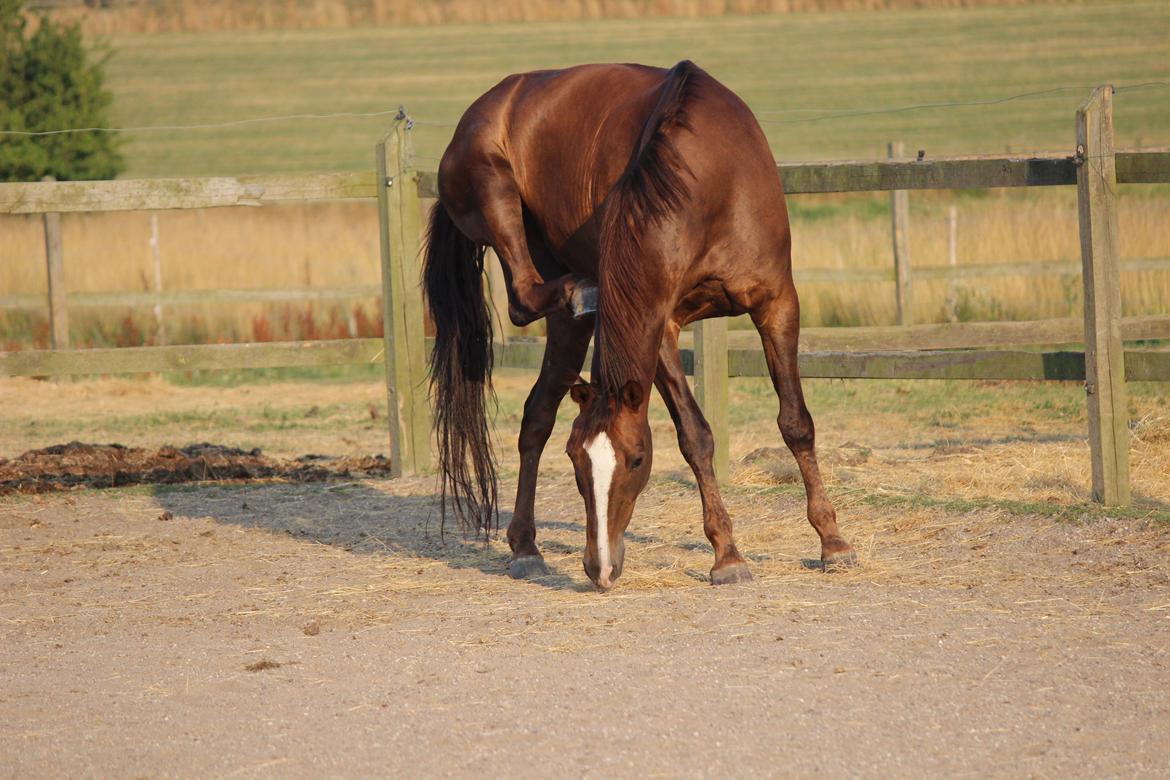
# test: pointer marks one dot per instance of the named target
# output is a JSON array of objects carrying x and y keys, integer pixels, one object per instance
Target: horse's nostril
[{"x": 606, "y": 578}]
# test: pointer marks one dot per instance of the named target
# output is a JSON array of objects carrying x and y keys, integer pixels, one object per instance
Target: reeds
[
  {"x": 993, "y": 227},
  {"x": 282, "y": 247}
]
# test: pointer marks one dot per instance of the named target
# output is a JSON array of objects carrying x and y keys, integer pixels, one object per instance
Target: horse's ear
[
  {"x": 582, "y": 393},
  {"x": 633, "y": 395}
]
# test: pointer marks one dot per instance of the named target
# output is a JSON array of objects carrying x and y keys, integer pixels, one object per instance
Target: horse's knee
[
  {"x": 540, "y": 411},
  {"x": 696, "y": 442},
  {"x": 524, "y": 308},
  {"x": 796, "y": 426},
  {"x": 535, "y": 429}
]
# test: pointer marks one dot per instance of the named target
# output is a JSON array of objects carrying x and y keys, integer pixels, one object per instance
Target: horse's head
[{"x": 611, "y": 451}]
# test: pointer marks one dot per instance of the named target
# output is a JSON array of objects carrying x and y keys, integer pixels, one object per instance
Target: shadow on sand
[{"x": 361, "y": 519}]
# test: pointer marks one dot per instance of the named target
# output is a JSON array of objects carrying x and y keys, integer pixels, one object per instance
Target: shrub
[{"x": 50, "y": 81}]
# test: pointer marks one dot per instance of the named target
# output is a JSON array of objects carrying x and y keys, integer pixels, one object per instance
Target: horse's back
[
  {"x": 563, "y": 135},
  {"x": 562, "y": 139}
]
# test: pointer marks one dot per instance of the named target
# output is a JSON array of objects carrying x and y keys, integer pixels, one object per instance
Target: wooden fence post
[
  {"x": 900, "y": 224},
  {"x": 399, "y": 221},
  {"x": 55, "y": 265},
  {"x": 952, "y": 303},
  {"x": 160, "y": 336},
  {"x": 711, "y": 385},
  {"x": 1104, "y": 353}
]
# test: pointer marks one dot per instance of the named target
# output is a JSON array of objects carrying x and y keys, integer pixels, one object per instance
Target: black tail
[{"x": 461, "y": 372}]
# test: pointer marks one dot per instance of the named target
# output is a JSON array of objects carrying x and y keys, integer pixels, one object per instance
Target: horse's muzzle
[{"x": 605, "y": 579}]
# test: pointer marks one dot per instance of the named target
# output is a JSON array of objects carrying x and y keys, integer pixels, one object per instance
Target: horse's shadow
[{"x": 363, "y": 520}]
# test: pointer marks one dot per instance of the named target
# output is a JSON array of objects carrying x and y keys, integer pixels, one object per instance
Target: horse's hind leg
[
  {"x": 498, "y": 220},
  {"x": 698, "y": 447},
  {"x": 564, "y": 352},
  {"x": 779, "y": 327}
]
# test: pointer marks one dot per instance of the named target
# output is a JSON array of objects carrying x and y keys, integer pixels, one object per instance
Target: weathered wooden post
[
  {"x": 160, "y": 336},
  {"x": 1100, "y": 272},
  {"x": 952, "y": 304},
  {"x": 900, "y": 224},
  {"x": 55, "y": 265},
  {"x": 711, "y": 385},
  {"x": 399, "y": 221}
]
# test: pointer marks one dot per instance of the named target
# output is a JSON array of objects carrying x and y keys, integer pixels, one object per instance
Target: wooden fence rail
[
  {"x": 1064, "y": 268},
  {"x": 946, "y": 173},
  {"x": 1150, "y": 365},
  {"x": 159, "y": 297},
  {"x": 187, "y": 297},
  {"x": 187, "y": 193},
  {"x": 1095, "y": 168}
]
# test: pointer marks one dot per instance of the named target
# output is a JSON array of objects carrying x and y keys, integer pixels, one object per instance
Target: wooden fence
[
  {"x": 951, "y": 351},
  {"x": 409, "y": 424}
]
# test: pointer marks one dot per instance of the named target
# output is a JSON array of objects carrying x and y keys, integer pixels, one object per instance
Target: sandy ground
[{"x": 278, "y": 630}]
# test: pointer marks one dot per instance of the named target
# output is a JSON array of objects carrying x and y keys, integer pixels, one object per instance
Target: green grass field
[{"x": 797, "y": 71}]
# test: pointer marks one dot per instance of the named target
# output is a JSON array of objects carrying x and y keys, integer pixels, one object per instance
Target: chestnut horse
[{"x": 657, "y": 191}]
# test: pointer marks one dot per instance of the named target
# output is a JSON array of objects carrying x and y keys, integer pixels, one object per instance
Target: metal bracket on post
[
  {"x": 1101, "y": 273},
  {"x": 400, "y": 223}
]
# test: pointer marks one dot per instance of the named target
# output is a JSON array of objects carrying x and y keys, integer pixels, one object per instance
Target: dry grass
[
  {"x": 951, "y": 506},
  {"x": 325, "y": 244},
  {"x": 350, "y": 554},
  {"x": 335, "y": 244},
  {"x": 999, "y": 227},
  {"x": 279, "y": 246},
  {"x": 192, "y": 16}
]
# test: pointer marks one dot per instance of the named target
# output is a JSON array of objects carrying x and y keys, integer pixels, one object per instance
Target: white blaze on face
[{"x": 603, "y": 461}]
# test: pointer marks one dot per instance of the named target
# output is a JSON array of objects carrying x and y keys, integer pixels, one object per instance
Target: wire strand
[
  {"x": 924, "y": 106},
  {"x": 207, "y": 126},
  {"x": 827, "y": 114},
  {"x": 830, "y": 114}
]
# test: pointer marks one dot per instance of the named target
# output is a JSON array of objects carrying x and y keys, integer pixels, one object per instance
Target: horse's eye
[{"x": 636, "y": 462}]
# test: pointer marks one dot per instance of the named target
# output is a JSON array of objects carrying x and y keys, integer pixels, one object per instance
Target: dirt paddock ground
[{"x": 999, "y": 625}]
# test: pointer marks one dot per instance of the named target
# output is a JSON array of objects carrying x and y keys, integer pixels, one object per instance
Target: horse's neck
[{"x": 626, "y": 348}]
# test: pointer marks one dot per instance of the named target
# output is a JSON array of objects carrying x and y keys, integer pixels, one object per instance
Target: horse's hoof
[
  {"x": 583, "y": 301},
  {"x": 526, "y": 567},
  {"x": 841, "y": 559},
  {"x": 729, "y": 575}
]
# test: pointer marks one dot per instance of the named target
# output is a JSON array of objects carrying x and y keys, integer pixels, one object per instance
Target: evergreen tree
[{"x": 48, "y": 81}]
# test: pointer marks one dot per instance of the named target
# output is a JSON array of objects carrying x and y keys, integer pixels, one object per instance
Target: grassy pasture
[
  {"x": 796, "y": 71},
  {"x": 152, "y": 16}
]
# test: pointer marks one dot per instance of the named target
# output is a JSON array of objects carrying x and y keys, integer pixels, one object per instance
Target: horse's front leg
[
  {"x": 500, "y": 223},
  {"x": 698, "y": 447},
  {"x": 564, "y": 353}
]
